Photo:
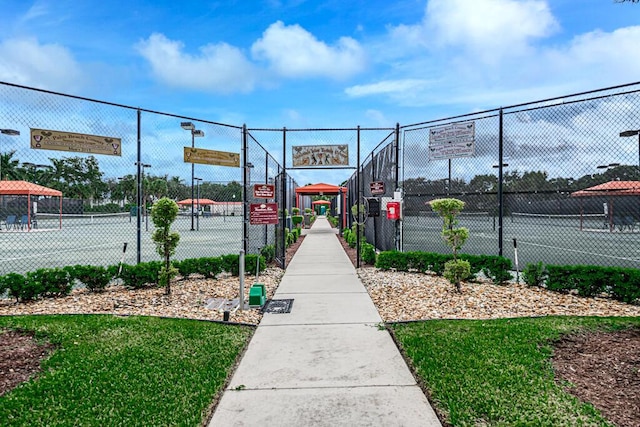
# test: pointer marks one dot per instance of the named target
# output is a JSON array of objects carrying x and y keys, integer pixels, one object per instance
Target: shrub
[
  {"x": 297, "y": 220},
  {"x": 16, "y": 283},
  {"x": 457, "y": 270},
  {"x": 498, "y": 269},
  {"x": 52, "y": 282},
  {"x": 368, "y": 253},
  {"x": 534, "y": 274},
  {"x": 141, "y": 275},
  {"x": 94, "y": 277},
  {"x": 231, "y": 264},
  {"x": 251, "y": 263},
  {"x": 269, "y": 252}
]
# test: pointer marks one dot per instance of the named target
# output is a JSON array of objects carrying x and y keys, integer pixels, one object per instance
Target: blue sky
[{"x": 332, "y": 63}]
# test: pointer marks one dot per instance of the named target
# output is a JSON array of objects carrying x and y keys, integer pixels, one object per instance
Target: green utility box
[{"x": 257, "y": 295}]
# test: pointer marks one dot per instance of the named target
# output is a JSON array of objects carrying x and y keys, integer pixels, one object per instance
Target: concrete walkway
[{"x": 326, "y": 363}]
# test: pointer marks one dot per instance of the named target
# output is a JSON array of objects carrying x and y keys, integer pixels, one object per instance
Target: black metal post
[
  {"x": 500, "y": 179},
  {"x": 245, "y": 186},
  {"x": 283, "y": 239},
  {"x": 266, "y": 181},
  {"x": 193, "y": 144},
  {"x": 376, "y": 219},
  {"x": 358, "y": 199},
  {"x": 397, "y": 238},
  {"x": 139, "y": 195}
]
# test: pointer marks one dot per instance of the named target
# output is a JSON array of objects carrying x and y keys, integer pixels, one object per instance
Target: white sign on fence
[{"x": 452, "y": 141}]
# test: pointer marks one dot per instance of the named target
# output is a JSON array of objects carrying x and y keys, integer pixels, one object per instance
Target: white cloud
[
  {"x": 597, "y": 55},
  {"x": 50, "y": 66},
  {"x": 293, "y": 52},
  {"x": 489, "y": 29},
  {"x": 491, "y": 24},
  {"x": 387, "y": 87},
  {"x": 218, "y": 68}
]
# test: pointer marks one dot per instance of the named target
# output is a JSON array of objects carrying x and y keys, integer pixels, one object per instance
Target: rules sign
[{"x": 263, "y": 213}]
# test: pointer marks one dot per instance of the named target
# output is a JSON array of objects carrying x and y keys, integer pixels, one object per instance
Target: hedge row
[
  {"x": 56, "y": 282},
  {"x": 367, "y": 250},
  {"x": 622, "y": 284},
  {"x": 497, "y": 268}
]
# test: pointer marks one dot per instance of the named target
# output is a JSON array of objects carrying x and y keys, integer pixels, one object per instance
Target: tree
[
  {"x": 163, "y": 213},
  {"x": 454, "y": 270},
  {"x": 79, "y": 177},
  {"x": 9, "y": 168}
]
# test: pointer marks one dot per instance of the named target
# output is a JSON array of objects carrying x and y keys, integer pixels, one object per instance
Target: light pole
[
  {"x": 627, "y": 134},
  {"x": 198, "y": 198},
  {"x": 10, "y": 132},
  {"x": 194, "y": 132}
]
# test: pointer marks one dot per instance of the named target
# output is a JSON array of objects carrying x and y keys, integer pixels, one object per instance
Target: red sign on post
[
  {"x": 264, "y": 191},
  {"x": 263, "y": 213}
]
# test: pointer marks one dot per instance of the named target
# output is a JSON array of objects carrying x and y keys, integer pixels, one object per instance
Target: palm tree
[{"x": 9, "y": 169}]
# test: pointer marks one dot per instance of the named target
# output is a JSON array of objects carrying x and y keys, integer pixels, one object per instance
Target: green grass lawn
[
  {"x": 128, "y": 371},
  {"x": 498, "y": 372}
]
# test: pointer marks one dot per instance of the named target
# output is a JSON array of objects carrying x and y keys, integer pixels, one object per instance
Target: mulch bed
[
  {"x": 603, "y": 368},
  {"x": 20, "y": 357}
]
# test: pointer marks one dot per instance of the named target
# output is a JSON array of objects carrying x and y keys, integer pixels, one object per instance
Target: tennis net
[
  {"x": 561, "y": 220},
  {"x": 52, "y": 220}
]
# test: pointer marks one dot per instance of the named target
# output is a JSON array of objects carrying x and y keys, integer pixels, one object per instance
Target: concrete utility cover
[
  {"x": 278, "y": 306},
  {"x": 222, "y": 304}
]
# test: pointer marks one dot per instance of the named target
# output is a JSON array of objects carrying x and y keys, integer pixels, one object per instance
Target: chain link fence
[
  {"x": 79, "y": 205},
  {"x": 559, "y": 178}
]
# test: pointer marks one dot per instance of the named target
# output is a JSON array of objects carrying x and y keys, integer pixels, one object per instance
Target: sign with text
[
  {"x": 263, "y": 213},
  {"x": 376, "y": 187},
  {"x": 452, "y": 141},
  {"x": 264, "y": 191},
  {"x": 77, "y": 142},
  {"x": 211, "y": 157},
  {"x": 320, "y": 155}
]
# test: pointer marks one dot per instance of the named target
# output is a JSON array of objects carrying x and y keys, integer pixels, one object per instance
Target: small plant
[
  {"x": 534, "y": 274},
  {"x": 455, "y": 270},
  {"x": 368, "y": 253},
  {"x": 163, "y": 213},
  {"x": 269, "y": 253}
]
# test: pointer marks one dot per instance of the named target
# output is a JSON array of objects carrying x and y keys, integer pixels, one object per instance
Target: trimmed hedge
[
  {"x": 622, "y": 284},
  {"x": 498, "y": 269},
  {"x": 56, "y": 282}
]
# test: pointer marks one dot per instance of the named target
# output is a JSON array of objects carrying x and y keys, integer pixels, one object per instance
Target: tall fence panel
[
  {"x": 559, "y": 177},
  {"x": 57, "y": 143}
]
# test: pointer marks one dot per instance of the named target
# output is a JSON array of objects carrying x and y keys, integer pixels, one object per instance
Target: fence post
[
  {"x": 358, "y": 199},
  {"x": 397, "y": 237},
  {"x": 500, "y": 181},
  {"x": 245, "y": 186},
  {"x": 283, "y": 237},
  {"x": 139, "y": 195}
]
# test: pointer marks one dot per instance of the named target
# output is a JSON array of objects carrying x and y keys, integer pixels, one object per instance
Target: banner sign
[
  {"x": 452, "y": 141},
  {"x": 263, "y": 213},
  {"x": 264, "y": 191},
  {"x": 211, "y": 157},
  {"x": 43, "y": 139},
  {"x": 320, "y": 155}
]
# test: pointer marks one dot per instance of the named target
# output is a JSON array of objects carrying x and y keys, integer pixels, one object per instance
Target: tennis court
[
  {"x": 551, "y": 239},
  {"x": 99, "y": 240}
]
